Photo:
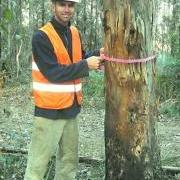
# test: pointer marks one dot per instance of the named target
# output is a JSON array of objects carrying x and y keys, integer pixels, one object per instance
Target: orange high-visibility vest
[{"x": 49, "y": 95}]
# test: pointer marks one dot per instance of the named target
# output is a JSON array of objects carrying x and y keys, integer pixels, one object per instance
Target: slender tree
[
  {"x": 43, "y": 12},
  {"x": 5, "y": 17},
  {"x": 0, "y": 27},
  {"x": 91, "y": 42},
  {"x": 174, "y": 28},
  {"x": 131, "y": 147}
]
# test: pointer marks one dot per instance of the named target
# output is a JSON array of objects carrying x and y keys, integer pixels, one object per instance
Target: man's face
[{"x": 63, "y": 11}]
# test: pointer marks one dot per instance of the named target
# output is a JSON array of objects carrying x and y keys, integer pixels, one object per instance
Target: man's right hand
[{"x": 94, "y": 62}]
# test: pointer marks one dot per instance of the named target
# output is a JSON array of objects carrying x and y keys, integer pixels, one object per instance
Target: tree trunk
[
  {"x": 84, "y": 17},
  {"x": 174, "y": 29},
  {"x": 91, "y": 34},
  {"x": 0, "y": 29},
  {"x": 43, "y": 13},
  {"x": 131, "y": 147}
]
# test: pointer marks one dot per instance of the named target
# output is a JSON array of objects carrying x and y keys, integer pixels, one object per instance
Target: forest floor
[{"x": 16, "y": 114}]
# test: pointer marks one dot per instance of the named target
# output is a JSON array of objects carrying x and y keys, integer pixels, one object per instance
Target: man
[{"x": 56, "y": 70}]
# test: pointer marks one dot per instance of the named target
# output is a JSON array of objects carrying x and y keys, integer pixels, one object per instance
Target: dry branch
[
  {"x": 17, "y": 58},
  {"x": 171, "y": 170},
  {"x": 87, "y": 160},
  {"x": 4, "y": 150}
]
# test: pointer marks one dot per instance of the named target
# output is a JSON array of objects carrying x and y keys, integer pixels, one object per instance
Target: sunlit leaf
[
  {"x": 7, "y": 14},
  {"x": 2, "y": 27},
  {"x": 18, "y": 37}
]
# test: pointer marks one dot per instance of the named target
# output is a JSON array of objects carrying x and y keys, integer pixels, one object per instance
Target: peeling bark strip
[{"x": 132, "y": 152}]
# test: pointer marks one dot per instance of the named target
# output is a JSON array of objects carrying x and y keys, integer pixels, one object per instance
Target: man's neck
[{"x": 61, "y": 22}]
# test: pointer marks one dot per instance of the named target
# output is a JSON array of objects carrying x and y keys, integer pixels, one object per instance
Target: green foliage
[
  {"x": 171, "y": 108},
  {"x": 7, "y": 16},
  {"x": 93, "y": 89},
  {"x": 95, "y": 84},
  {"x": 171, "y": 22},
  {"x": 168, "y": 77},
  {"x": 89, "y": 21},
  {"x": 169, "y": 84}
]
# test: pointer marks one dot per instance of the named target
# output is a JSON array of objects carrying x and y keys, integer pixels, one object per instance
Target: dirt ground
[{"x": 16, "y": 114}]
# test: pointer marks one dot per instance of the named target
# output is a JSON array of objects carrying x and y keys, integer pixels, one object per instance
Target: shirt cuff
[{"x": 85, "y": 67}]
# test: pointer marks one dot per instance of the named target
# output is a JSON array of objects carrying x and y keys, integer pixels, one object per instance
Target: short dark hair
[
  {"x": 73, "y": 1},
  {"x": 56, "y": 0}
]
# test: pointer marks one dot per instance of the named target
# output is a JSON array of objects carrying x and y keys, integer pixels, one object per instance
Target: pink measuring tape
[{"x": 128, "y": 61}]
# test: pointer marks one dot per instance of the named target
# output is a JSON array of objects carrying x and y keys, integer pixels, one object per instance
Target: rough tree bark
[{"x": 131, "y": 146}]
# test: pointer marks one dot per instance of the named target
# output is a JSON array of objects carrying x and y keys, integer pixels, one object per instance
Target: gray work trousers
[{"x": 48, "y": 137}]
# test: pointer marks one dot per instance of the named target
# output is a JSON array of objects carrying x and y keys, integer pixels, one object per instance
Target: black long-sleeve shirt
[{"x": 46, "y": 61}]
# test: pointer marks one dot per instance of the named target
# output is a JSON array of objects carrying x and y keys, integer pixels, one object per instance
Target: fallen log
[
  {"x": 171, "y": 170},
  {"x": 87, "y": 160},
  {"x": 4, "y": 150}
]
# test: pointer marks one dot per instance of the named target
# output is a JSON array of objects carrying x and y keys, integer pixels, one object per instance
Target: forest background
[{"x": 19, "y": 20}]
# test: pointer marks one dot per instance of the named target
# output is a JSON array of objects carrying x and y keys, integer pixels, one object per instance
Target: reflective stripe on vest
[
  {"x": 57, "y": 88},
  {"x": 34, "y": 66},
  {"x": 60, "y": 95}
]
